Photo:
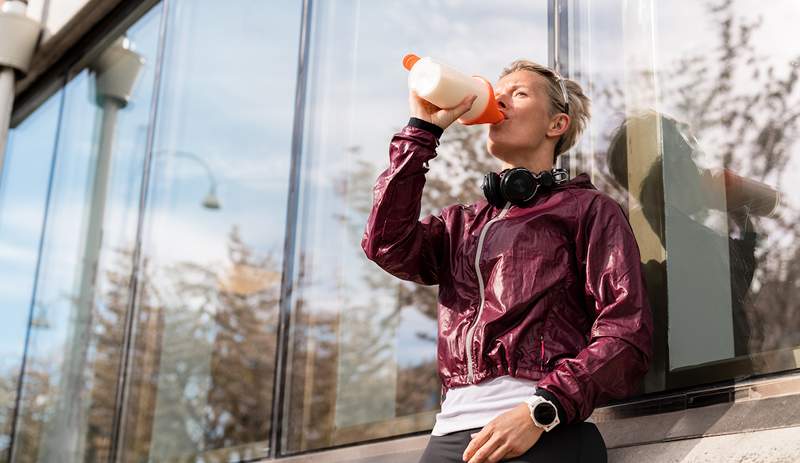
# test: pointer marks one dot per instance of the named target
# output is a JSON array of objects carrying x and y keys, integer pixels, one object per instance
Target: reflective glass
[
  {"x": 363, "y": 344},
  {"x": 23, "y": 191},
  {"x": 202, "y": 366},
  {"x": 695, "y": 130},
  {"x": 69, "y": 388}
]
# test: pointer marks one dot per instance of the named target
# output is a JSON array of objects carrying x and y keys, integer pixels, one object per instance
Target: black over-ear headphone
[{"x": 519, "y": 185}]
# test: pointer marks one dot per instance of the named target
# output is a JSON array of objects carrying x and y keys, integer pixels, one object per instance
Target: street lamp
[{"x": 211, "y": 200}]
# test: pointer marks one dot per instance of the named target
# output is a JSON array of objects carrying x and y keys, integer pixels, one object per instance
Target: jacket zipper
[
  {"x": 541, "y": 351},
  {"x": 471, "y": 331}
]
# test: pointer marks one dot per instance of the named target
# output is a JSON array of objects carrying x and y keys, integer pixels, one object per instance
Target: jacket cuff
[
  {"x": 427, "y": 126},
  {"x": 562, "y": 415}
]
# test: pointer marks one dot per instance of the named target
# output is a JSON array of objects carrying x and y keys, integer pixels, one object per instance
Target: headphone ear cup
[
  {"x": 547, "y": 180},
  {"x": 491, "y": 189}
]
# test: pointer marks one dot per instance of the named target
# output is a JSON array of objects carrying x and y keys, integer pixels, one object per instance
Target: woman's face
[{"x": 523, "y": 100}]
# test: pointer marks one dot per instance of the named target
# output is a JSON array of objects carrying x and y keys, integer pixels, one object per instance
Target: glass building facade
[{"x": 181, "y": 212}]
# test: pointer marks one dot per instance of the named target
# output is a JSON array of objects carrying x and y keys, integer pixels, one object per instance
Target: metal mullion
[
  {"x": 558, "y": 53},
  {"x": 129, "y": 329},
  {"x": 290, "y": 240}
]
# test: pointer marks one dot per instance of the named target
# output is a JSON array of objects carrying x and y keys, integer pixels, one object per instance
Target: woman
[{"x": 542, "y": 309}]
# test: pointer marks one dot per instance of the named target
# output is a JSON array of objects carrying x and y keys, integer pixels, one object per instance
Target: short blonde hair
[{"x": 578, "y": 103}]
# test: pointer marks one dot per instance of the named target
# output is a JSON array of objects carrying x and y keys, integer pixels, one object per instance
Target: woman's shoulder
[{"x": 587, "y": 197}]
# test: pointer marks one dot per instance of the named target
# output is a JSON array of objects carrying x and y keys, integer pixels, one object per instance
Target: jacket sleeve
[
  {"x": 395, "y": 238},
  {"x": 619, "y": 346}
]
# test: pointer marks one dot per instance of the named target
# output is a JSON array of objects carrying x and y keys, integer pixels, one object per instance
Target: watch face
[{"x": 544, "y": 413}]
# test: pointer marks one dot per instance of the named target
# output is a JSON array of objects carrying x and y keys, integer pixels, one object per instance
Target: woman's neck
[{"x": 535, "y": 162}]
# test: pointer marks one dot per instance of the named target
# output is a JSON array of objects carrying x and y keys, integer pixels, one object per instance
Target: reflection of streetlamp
[
  {"x": 211, "y": 201},
  {"x": 40, "y": 321}
]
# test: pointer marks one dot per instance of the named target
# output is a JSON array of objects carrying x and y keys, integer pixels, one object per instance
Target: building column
[{"x": 18, "y": 37}]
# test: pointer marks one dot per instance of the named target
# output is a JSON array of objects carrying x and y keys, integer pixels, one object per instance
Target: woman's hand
[
  {"x": 442, "y": 117},
  {"x": 509, "y": 435}
]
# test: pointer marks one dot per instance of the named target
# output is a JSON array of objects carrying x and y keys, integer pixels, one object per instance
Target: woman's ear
[{"x": 558, "y": 125}]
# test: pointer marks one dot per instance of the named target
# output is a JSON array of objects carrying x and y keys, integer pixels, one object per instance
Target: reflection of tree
[
  {"x": 45, "y": 405},
  {"x": 243, "y": 359},
  {"x": 202, "y": 364},
  {"x": 38, "y": 392},
  {"x": 311, "y": 388},
  {"x": 748, "y": 111},
  {"x": 109, "y": 325},
  {"x": 8, "y": 393},
  {"x": 321, "y": 347},
  {"x": 454, "y": 177},
  {"x": 204, "y": 378}
]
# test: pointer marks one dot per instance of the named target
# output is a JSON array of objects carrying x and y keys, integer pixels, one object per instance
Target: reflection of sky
[
  {"x": 22, "y": 194},
  {"x": 227, "y": 96},
  {"x": 679, "y": 32},
  {"x": 61, "y": 268}
]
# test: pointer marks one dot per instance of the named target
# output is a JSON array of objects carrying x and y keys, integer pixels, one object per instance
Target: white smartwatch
[{"x": 543, "y": 413}]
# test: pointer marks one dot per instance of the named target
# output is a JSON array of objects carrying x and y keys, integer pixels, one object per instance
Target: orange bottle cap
[{"x": 409, "y": 60}]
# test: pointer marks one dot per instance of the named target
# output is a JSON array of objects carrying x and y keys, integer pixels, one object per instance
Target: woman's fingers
[
  {"x": 499, "y": 453},
  {"x": 464, "y": 106},
  {"x": 484, "y": 452},
  {"x": 443, "y": 117},
  {"x": 480, "y": 438}
]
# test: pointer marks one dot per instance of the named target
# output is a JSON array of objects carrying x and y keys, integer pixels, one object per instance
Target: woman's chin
[
  {"x": 495, "y": 146},
  {"x": 495, "y": 149}
]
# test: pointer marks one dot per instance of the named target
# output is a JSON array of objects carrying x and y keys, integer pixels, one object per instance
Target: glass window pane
[
  {"x": 363, "y": 348},
  {"x": 203, "y": 362},
  {"x": 695, "y": 129},
  {"x": 69, "y": 388},
  {"x": 23, "y": 191}
]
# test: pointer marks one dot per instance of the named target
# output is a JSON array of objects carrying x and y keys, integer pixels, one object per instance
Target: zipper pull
[{"x": 541, "y": 351}]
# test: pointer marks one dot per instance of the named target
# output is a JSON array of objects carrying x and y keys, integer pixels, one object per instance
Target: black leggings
[{"x": 574, "y": 443}]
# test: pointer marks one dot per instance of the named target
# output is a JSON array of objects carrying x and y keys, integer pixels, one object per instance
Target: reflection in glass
[
  {"x": 68, "y": 398},
  {"x": 23, "y": 191},
  {"x": 202, "y": 368},
  {"x": 695, "y": 110},
  {"x": 363, "y": 348}
]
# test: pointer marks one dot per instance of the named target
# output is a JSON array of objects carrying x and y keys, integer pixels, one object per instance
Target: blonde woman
[{"x": 542, "y": 310}]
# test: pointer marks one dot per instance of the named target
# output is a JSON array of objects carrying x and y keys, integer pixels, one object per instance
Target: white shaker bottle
[{"x": 445, "y": 87}]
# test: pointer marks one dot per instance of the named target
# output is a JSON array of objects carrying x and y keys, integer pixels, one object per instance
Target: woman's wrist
[
  {"x": 427, "y": 126},
  {"x": 562, "y": 415}
]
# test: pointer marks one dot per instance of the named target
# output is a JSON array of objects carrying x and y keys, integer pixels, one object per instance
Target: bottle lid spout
[{"x": 409, "y": 60}]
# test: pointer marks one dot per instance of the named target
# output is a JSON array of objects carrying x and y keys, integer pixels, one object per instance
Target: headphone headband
[{"x": 519, "y": 186}]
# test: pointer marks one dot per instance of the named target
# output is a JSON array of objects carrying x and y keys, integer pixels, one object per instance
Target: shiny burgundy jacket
[{"x": 551, "y": 292}]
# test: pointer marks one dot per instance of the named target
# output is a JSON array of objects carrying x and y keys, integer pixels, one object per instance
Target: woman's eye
[{"x": 520, "y": 94}]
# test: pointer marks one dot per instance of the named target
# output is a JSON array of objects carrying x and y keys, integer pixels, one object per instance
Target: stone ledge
[{"x": 774, "y": 445}]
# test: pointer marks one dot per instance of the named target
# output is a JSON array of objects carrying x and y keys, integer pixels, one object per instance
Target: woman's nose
[{"x": 500, "y": 98}]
